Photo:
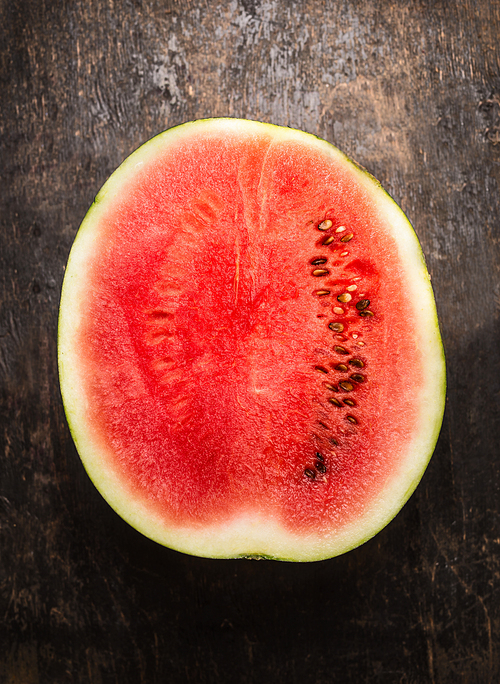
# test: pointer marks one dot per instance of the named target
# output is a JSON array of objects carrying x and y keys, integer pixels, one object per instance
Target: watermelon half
[{"x": 249, "y": 350}]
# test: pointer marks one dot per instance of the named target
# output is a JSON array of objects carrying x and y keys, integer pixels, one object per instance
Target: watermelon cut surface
[{"x": 249, "y": 352}]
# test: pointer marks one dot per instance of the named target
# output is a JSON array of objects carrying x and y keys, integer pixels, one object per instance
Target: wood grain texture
[{"x": 411, "y": 90}]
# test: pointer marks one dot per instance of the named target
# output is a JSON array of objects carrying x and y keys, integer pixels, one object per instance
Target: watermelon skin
[{"x": 193, "y": 345}]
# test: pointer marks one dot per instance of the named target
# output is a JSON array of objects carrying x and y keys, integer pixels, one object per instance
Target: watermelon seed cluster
[
  {"x": 349, "y": 384},
  {"x": 319, "y": 467}
]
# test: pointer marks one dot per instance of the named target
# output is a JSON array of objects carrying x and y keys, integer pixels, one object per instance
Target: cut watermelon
[{"x": 249, "y": 351}]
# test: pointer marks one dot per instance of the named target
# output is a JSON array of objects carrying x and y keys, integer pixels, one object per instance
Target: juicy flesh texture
[{"x": 205, "y": 340}]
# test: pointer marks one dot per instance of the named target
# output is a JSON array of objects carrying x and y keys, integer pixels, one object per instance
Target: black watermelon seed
[
  {"x": 362, "y": 304},
  {"x": 347, "y": 238},
  {"x": 310, "y": 473},
  {"x": 336, "y": 327},
  {"x": 341, "y": 350}
]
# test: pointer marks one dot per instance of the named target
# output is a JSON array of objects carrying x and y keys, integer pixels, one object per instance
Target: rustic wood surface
[{"x": 411, "y": 90}]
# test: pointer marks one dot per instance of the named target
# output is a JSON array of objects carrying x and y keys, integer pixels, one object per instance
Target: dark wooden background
[{"x": 411, "y": 90}]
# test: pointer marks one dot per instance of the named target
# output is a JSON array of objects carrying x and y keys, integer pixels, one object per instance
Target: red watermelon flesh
[{"x": 249, "y": 350}]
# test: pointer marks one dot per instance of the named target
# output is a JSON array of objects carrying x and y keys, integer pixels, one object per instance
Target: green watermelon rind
[{"x": 250, "y": 537}]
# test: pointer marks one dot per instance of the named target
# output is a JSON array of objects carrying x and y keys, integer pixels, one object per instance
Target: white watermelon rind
[{"x": 255, "y": 536}]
